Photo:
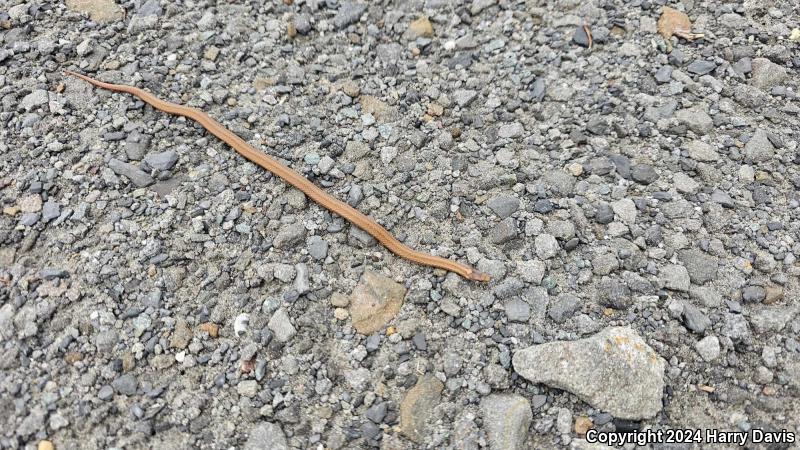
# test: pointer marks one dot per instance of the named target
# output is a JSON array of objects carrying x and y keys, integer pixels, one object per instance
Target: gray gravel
[{"x": 159, "y": 291}]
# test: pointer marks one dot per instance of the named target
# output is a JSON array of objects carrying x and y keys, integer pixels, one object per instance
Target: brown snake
[{"x": 295, "y": 179}]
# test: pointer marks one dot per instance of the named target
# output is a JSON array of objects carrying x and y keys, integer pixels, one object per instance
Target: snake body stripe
[{"x": 295, "y": 179}]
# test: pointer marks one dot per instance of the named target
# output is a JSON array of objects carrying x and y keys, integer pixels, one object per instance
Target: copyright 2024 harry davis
[{"x": 690, "y": 436}]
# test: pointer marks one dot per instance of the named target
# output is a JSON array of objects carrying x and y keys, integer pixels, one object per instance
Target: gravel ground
[{"x": 635, "y": 202}]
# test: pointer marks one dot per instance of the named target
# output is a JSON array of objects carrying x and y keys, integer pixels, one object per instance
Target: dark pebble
[{"x": 580, "y": 37}]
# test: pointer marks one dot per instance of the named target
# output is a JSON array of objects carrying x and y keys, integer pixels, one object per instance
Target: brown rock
[
  {"x": 211, "y": 328},
  {"x": 30, "y": 203},
  {"x": 128, "y": 361},
  {"x": 181, "y": 335},
  {"x": 582, "y": 425},
  {"x": 351, "y": 89},
  {"x": 73, "y": 357},
  {"x": 339, "y": 300},
  {"x": 672, "y": 22},
  {"x": 261, "y": 84},
  {"x": 417, "y": 406},
  {"x": 45, "y": 445},
  {"x": 435, "y": 109},
  {"x": 374, "y": 302},
  {"x": 211, "y": 53},
  {"x": 375, "y": 106},
  {"x": 774, "y": 294},
  {"x": 99, "y": 10},
  {"x": 419, "y": 28}
]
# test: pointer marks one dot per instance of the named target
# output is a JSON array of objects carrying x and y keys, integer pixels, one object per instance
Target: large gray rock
[
  {"x": 766, "y": 73},
  {"x": 506, "y": 418},
  {"x": 700, "y": 151},
  {"x": 504, "y": 205},
  {"x": 417, "y": 407},
  {"x": 281, "y": 325},
  {"x": 772, "y": 318},
  {"x": 266, "y": 436},
  {"x": 289, "y": 235},
  {"x": 696, "y": 119},
  {"x": 701, "y": 266},
  {"x": 162, "y": 161},
  {"x": 348, "y": 13},
  {"x": 36, "y": 98},
  {"x": 133, "y": 173},
  {"x": 675, "y": 277},
  {"x": 614, "y": 370},
  {"x": 759, "y": 148}
]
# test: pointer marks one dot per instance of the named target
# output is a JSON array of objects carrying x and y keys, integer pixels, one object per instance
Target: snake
[{"x": 293, "y": 178}]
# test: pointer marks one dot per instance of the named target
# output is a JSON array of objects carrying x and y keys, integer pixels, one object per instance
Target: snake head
[{"x": 476, "y": 275}]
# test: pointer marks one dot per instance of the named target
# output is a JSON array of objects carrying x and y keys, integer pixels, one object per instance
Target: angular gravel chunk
[{"x": 632, "y": 372}]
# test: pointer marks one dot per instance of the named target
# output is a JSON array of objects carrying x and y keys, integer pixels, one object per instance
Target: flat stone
[
  {"x": 604, "y": 213},
  {"x": 504, "y": 231},
  {"x": 614, "y": 370},
  {"x": 302, "y": 284},
  {"x": 723, "y": 198},
  {"x": 162, "y": 160},
  {"x": 289, "y": 236},
  {"x": 753, "y": 294},
  {"x": 417, "y": 407},
  {"x": 644, "y": 173},
  {"x": 546, "y": 246},
  {"x": 696, "y": 119},
  {"x": 695, "y": 319},
  {"x": 247, "y": 388},
  {"x": 625, "y": 209},
  {"x": 708, "y": 348},
  {"x": 506, "y": 418},
  {"x": 759, "y": 148},
  {"x": 133, "y": 173},
  {"x": 531, "y": 271},
  {"x": 772, "y": 318},
  {"x": 563, "y": 307},
  {"x": 348, "y": 13},
  {"x": 136, "y": 144},
  {"x": 664, "y": 74},
  {"x": 36, "y": 98},
  {"x": 684, "y": 183},
  {"x": 700, "y": 151},
  {"x": 125, "y": 385},
  {"x": 419, "y": 28},
  {"x": 766, "y": 73},
  {"x": 266, "y": 435},
  {"x": 30, "y": 203},
  {"x": 464, "y": 97},
  {"x": 702, "y": 267},
  {"x": 281, "y": 325},
  {"x": 580, "y": 37},
  {"x": 51, "y": 210},
  {"x": 675, "y": 277},
  {"x": 701, "y": 67},
  {"x": 479, "y": 5},
  {"x": 510, "y": 130},
  {"x": 374, "y": 302},
  {"x": 503, "y": 205},
  {"x": 100, "y": 11},
  {"x": 377, "y": 412},
  {"x": 105, "y": 393},
  {"x": 181, "y": 335},
  {"x": 518, "y": 310}
]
